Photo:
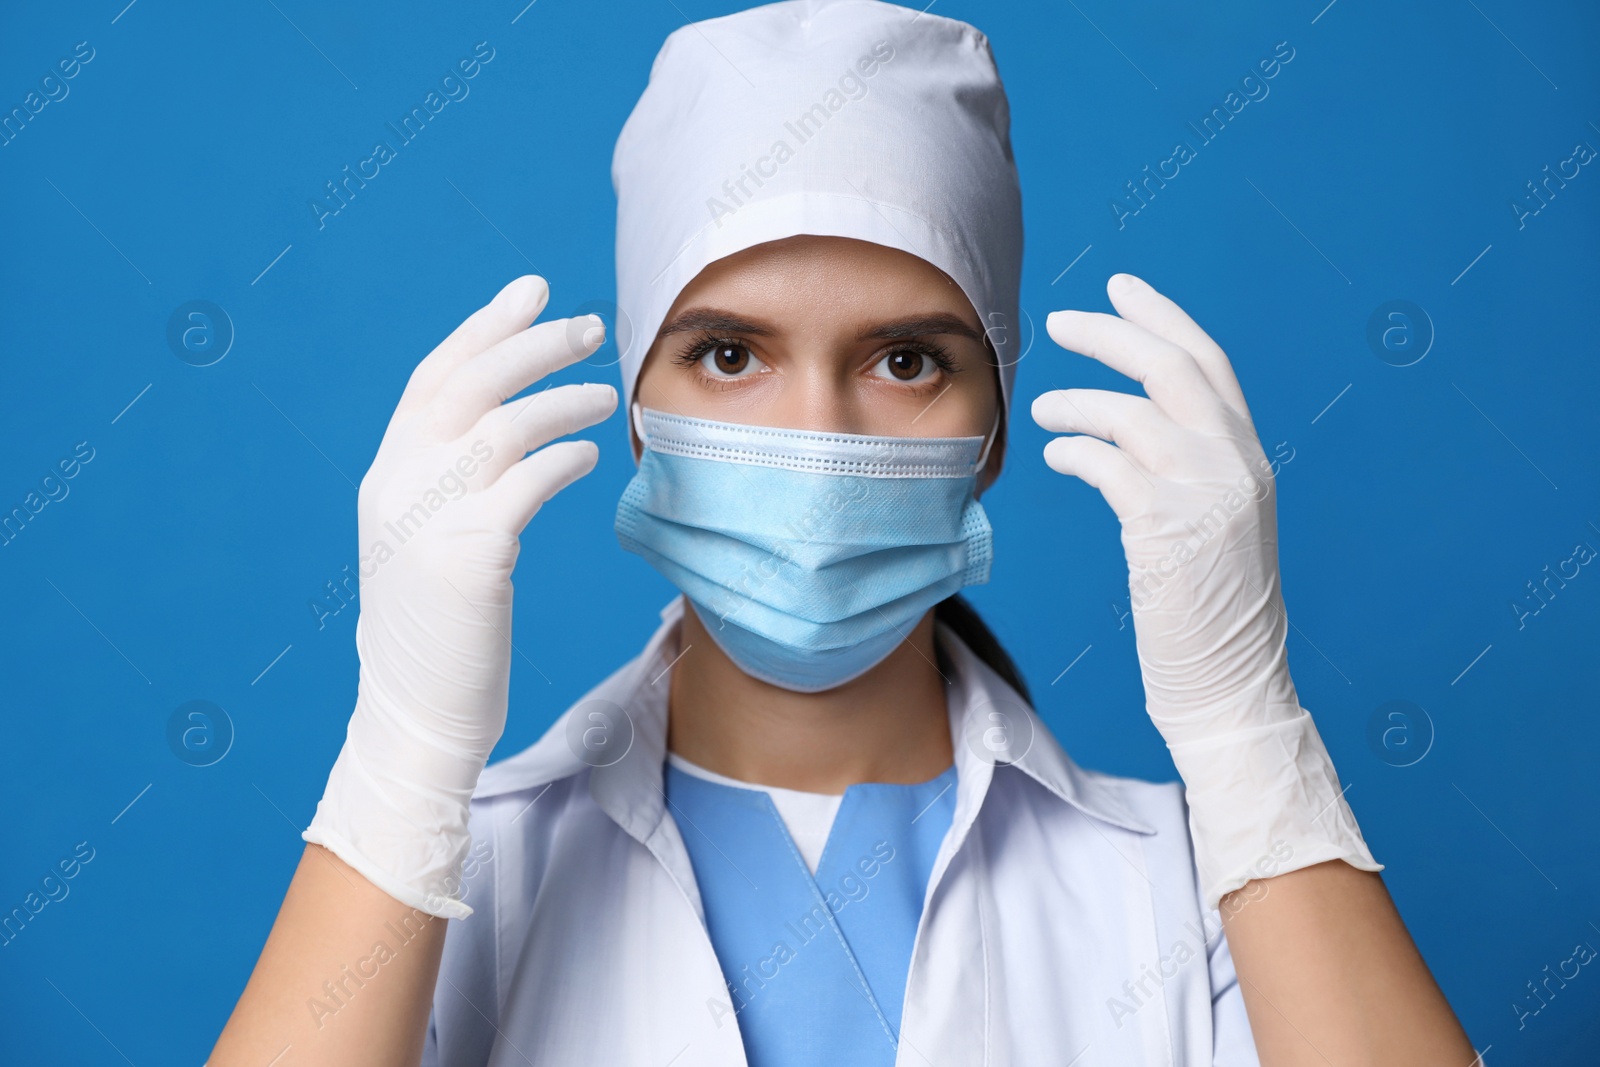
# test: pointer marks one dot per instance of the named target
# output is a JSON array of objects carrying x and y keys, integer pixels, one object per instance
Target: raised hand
[
  {"x": 1195, "y": 494},
  {"x": 440, "y": 513}
]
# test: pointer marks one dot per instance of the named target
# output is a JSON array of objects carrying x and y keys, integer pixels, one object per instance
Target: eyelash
[{"x": 704, "y": 342}]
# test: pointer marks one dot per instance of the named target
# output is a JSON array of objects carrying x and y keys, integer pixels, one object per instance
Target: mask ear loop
[
  {"x": 994, "y": 432},
  {"x": 636, "y": 414},
  {"x": 636, "y": 418}
]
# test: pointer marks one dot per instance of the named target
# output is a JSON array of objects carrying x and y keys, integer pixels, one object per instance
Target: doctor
[{"x": 816, "y": 819}]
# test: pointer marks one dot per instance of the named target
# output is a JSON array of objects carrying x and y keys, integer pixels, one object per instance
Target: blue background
[{"x": 1382, "y": 166}]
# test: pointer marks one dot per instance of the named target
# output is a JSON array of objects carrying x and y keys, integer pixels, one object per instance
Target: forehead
[{"x": 824, "y": 282}]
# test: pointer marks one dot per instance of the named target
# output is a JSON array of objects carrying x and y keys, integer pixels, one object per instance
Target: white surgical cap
[{"x": 849, "y": 118}]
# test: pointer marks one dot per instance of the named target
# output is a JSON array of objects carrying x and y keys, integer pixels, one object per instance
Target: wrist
[
  {"x": 395, "y": 808},
  {"x": 1265, "y": 800}
]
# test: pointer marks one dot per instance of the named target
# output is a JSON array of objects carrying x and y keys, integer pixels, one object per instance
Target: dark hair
[{"x": 960, "y": 616}]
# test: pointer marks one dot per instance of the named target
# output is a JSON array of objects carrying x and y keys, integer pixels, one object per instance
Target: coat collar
[{"x": 618, "y": 731}]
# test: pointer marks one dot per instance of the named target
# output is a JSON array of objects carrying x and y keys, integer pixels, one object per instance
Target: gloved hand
[
  {"x": 1195, "y": 494},
  {"x": 440, "y": 512}
]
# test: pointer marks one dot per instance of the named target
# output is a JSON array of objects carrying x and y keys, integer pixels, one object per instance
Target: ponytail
[{"x": 960, "y": 616}]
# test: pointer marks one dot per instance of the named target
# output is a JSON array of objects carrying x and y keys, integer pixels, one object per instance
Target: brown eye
[
  {"x": 908, "y": 365},
  {"x": 729, "y": 359},
  {"x": 726, "y": 359},
  {"x": 905, "y": 365}
]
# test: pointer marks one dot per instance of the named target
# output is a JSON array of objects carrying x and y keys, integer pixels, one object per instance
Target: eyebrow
[
  {"x": 722, "y": 321},
  {"x": 915, "y": 326},
  {"x": 705, "y": 318}
]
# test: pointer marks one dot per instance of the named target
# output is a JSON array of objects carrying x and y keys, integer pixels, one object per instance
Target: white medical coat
[{"x": 1062, "y": 923}]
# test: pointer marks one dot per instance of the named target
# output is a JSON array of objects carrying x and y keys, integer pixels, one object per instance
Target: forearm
[
  {"x": 1330, "y": 975},
  {"x": 348, "y": 972},
  {"x": 346, "y": 977},
  {"x": 1328, "y": 972}
]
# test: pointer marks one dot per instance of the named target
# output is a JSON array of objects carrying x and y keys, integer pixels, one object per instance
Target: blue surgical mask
[{"x": 808, "y": 556}]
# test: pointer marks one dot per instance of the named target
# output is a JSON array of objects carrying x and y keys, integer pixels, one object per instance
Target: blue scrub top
[{"x": 816, "y": 965}]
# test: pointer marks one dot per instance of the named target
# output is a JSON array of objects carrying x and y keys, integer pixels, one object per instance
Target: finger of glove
[
  {"x": 487, "y": 380},
  {"x": 1169, "y": 374},
  {"x": 1104, "y": 466},
  {"x": 516, "y": 305},
  {"x": 517, "y": 428},
  {"x": 1137, "y": 301},
  {"x": 1133, "y": 423},
  {"x": 521, "y": 491}
]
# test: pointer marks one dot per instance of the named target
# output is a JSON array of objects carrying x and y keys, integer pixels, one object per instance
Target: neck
[{"x": 889, "y": 725}]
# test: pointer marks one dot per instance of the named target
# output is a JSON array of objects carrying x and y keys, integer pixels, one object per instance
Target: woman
[{"x": 816, "y": 819}]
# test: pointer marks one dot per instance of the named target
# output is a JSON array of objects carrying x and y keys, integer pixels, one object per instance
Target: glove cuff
[
  {"x": 1264, "y": 801},
  {"x": 434, "y": 904},
  {"x": 395, "y": 808}
]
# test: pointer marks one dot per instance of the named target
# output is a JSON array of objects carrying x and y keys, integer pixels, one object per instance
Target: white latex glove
[
  {"x": 440, "y": 512},
  {"x": 1184, "y": 472}
]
